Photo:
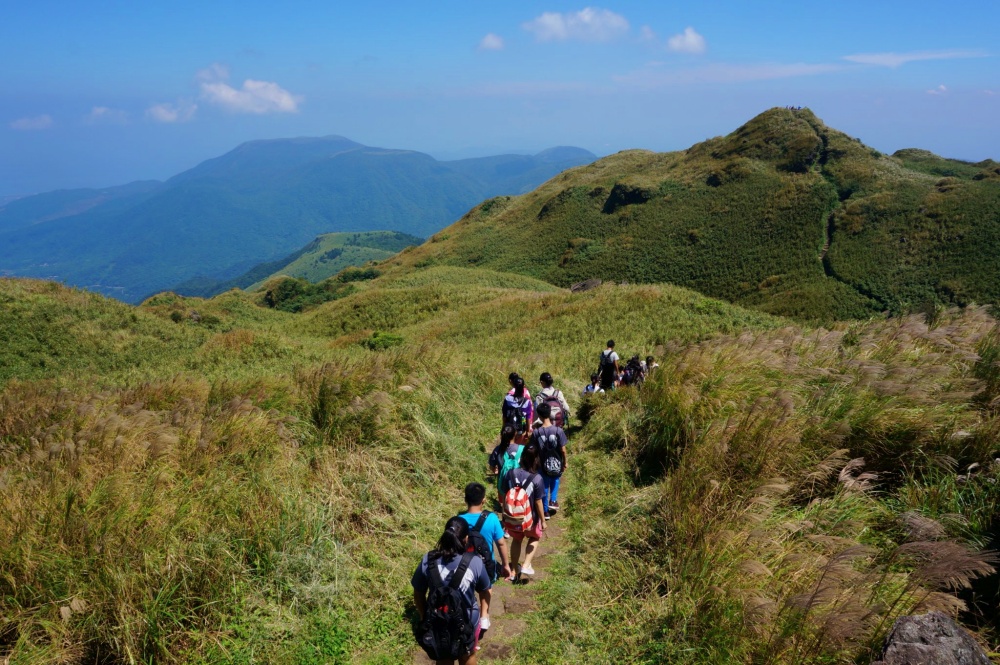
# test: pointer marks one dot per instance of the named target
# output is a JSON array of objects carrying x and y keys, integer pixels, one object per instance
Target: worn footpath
[{"x": 513, "y": 604}]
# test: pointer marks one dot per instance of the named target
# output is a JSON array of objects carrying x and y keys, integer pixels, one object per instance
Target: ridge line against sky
[{"x": 112, "y": 92}]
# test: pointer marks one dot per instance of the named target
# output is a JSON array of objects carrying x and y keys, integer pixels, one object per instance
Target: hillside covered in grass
[
  {"x": 321, "y": 259},
  {"x": 204, "y": 481},
  {"x": 785, "y": 215}
]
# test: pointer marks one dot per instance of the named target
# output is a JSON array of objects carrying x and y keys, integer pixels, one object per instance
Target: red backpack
[{"x": 517, "y": 506}]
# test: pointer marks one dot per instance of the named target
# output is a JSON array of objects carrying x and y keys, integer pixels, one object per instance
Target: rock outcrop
[{"x": 931, "y": 639}]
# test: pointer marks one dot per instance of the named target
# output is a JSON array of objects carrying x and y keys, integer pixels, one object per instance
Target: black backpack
[
  {"x": 607, "y": 369},
  {"x": 513, "y": 413},
  {"x": 633, "y": 373},
  {"x": 478, "y": 545},
  {"x": 551, "y": 459},
  {"x": 446, "y": 631}
]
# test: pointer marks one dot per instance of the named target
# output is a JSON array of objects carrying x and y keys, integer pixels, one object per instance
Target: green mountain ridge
[
  {"x": 257, "y": 203},
  {"x": 785, "y": 215},
  {"x": 321, "y": 259}
]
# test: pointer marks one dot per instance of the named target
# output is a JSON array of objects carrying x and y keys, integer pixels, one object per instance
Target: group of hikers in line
[{"x": 452, "y": 584}]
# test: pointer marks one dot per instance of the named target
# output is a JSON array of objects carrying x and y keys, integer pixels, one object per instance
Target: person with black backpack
[
  {"x": 634, "y": 374},
  {"x": 555, "y": 399},
  {"x": 550, "y": 441},
  {"x": 608, "y": 367},
  {"x": 519, "y": 411},
  {"x": 485, "y": 532},
  {"x": 445, "y": 586}
]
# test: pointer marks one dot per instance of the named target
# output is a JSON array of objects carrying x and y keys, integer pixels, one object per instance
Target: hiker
[
  {"x": 518, "y": 410},
  {"x": 651, "y": 364},
  {"x": 507, "y": 434},
  {"x": 632, "y": 375},
  {"x": 445, "y": 585},
  {"x": 594, "y": 386},
  {"x": 512, "y": 380},
  {"x": 550, "y": 442},
  {"x": 523, "y": 513},
  {"x": 608, "y": 368},
  {"x": 485, "y": 532},
  {"x": 555, "y": 399}
]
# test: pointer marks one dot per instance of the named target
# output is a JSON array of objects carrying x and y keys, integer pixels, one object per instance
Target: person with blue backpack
[{"x": 445, "y": 586}]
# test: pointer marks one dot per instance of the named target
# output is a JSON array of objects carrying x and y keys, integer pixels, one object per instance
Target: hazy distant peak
[{"x": 564, "y": 153}]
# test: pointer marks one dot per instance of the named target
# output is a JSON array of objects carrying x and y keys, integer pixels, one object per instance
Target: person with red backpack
[
  {"x": 555, "y": 399},
  {"x": 445, "y": 585},
  {"x": 518, "y": 410},
  {"x": 523, "y": 491},
  {"x": 550, "y": 442}
]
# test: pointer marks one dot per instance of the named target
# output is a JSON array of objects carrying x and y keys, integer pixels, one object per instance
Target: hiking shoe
[
  {"x": 506, "y": 534},
  {"x": 553, "y": 506},
  {"x": 547, "y": 516},
  {"x": 526, "y": 570}
]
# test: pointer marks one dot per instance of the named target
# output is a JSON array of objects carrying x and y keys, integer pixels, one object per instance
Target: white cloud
[
  {"x": 894, "y": 60},
  {"x": 182, "y": 111},
  {"x": 688, "y": 41},
  {"x": 491, "y": 42},
  {"x": 646, "y": 34},
  {"x": 105, "y": 114},
  {"x": 940, "y": 90},
  {"x": 214, "y": 72},
  {"x": 990, "y": 93},
  {"x": 589, "y": 24},
  {"x": 32, "y": 123},
  {"x": 254, "y": 97}
]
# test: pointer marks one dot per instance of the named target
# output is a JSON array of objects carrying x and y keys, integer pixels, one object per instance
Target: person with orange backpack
[
  {"x": 555, "y": 399},
  {"x": 523, "y": 491}
]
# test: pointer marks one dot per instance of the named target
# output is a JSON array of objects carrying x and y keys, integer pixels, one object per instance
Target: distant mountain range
[
  {"x": 784, "y": 214},
  {"x": 257, "y": 203}
]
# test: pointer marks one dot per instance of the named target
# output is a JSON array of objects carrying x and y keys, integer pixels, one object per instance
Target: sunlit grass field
[{"x": 217, "y": 481}]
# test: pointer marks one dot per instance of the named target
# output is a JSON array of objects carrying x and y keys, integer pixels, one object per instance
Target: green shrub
[{"x": 380, "y": 341}]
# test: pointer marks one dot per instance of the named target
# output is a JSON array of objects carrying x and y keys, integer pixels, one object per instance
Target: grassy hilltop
[
  {"x": 785, "y": 215},
  {"x": 207, "y": 481}
]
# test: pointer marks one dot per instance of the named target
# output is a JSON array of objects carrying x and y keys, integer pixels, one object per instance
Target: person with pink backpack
[{"x": 523, "y": 491}]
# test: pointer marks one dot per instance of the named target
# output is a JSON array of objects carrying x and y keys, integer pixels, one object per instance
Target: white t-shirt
[{"x": 611, "y": 357}]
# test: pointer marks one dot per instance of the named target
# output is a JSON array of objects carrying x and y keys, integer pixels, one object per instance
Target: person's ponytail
[{"x": 452, "y": 541}]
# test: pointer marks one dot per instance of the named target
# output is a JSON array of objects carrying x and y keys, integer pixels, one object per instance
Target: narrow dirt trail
[{"x": 513, "y": 604}]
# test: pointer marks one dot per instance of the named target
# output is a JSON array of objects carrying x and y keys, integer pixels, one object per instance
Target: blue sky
[{"x": 102, "y": 93}]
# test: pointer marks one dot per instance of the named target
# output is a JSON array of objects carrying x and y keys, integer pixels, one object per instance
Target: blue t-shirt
[
  {"x": 492, "y": 530},
  {"x": 475, "y": 579}
]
